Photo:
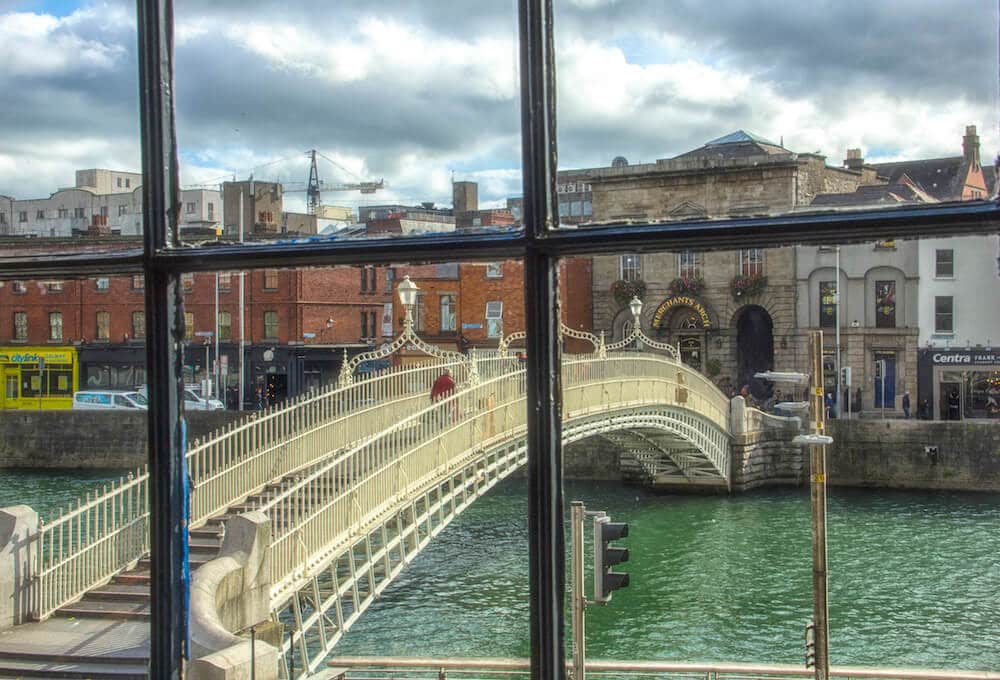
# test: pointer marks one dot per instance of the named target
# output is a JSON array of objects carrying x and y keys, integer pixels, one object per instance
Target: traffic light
[
  {"x": 606, "y": 556},
  {"x": 845, "y": 376}
]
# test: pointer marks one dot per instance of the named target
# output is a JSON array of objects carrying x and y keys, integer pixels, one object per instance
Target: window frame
[
  {"x": 630, "y": 267},
  {"x": 272, "y": 321},
  {"x": 105, "y": 316},
  {"x": 689, "y": 264},
  {"x": 18, "y": 336},
  {"x": 56, "y": 323},
  {"x": 751, "y": 262},
  {"x": 539, "y": 247},
  {"x": 938, "y": 330},
  {"x": 938, "y": 262}
]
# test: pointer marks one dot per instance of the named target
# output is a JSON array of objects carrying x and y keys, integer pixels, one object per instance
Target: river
[
  {"x": 914, "y": 580},
  {"x": 914, "y": 577}
]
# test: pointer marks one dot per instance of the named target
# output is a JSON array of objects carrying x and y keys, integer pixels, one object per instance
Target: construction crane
[{"x": 315, "y": 185}]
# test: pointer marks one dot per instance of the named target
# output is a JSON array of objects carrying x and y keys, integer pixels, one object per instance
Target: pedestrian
[
  {"x": 443, "y": 386},
  {"x": 954, "y": 405},
  {"x": 259, "y": 398},
  {"x": 828, "y": 402},
  {"x": 906, "y": 405},
  {"x": 463, "y": 343},
  {"x": 856, "y": 406}
]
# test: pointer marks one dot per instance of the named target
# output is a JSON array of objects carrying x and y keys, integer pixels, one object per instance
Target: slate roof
[
  {"x": 874, "y": 195},
  {"x": 739, "y": 144},
  {"x": 940, "y": 177}
]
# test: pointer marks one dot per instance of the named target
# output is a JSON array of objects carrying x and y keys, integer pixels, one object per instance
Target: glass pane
[
  {"x": 70, "y": 172},
  {"x": 403, "y": 121},
  {"x": 689, "y": 111},
  {"x": 901, "y": 346}
]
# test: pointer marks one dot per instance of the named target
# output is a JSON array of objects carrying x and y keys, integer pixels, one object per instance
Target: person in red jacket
[{"x": 443, "y": 386}]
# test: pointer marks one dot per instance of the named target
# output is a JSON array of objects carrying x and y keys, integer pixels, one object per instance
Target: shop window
[
  {"x": 55, "y": 326},
  {"x": 944, "y": 314},
  {"x": 103, "y": 325},
  {"x": 827, "y": 304},
  {"x": 21, "y": 326},
  {"x": 630, "y": 267},
  {"x": 944, "y": 264},
  {"x": 271, "y": 325},
  {"x": 885, "y": 304},
  {"x": 494, "y": 318},
  {"x": 138, "y": 325}
]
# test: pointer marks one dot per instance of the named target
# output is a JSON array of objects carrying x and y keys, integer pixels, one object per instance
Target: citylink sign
[
  {"x": 681, "y": 301},
  {"x": 51, "y": 357},
  {"x": 967, "y": 358}
]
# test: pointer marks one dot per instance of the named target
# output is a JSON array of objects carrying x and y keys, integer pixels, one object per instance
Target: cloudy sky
[{"x": 420, "y": 92}]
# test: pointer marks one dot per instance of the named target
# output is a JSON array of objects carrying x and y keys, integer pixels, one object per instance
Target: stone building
[{"x": 731, "y": 313}]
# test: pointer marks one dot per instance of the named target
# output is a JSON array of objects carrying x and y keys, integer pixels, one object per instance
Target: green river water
[{"x": 914, "y": 577}]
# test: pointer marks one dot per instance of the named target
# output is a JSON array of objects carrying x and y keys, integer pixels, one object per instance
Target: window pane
[{"x": 685, "y": 111}]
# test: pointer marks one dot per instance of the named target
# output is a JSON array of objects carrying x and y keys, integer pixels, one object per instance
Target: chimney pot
[{"x": 854, "y": 160}]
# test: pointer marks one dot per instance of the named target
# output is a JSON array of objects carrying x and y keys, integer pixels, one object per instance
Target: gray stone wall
[
  {"x": 893, "y": 454},
  {"x": 87, "y": 439}
]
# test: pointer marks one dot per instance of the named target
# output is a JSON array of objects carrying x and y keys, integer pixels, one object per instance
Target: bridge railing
[
  {"x": 355, "y": 487},
  {"x": 87, "y": 545}
]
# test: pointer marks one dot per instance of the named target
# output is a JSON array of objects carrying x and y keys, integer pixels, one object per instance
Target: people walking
[
  {"x": 906, "y": 404},
  {"x": 443, "y": 386},
  {"x": 954, "y": 406}
]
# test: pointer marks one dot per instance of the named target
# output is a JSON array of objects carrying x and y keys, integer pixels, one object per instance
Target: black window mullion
[
  {"x": 165, "y": 331},
  {"x": 546, "y": 561}
]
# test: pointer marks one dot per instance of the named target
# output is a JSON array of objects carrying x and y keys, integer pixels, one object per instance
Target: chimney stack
[
  {"x": 465, "y": 197},
  {"x": 854, "y": 160},
  {"x": 970, "y": 145}
]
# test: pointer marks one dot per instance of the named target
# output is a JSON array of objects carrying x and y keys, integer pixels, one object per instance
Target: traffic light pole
[
  {"x": 817, "y": 486},
  {"x": 577, "y": 514}
]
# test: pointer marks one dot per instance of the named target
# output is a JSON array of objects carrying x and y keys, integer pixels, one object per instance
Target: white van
[
  {"x": 194, "y": 402},
  {"x": 109, "y": 399}
]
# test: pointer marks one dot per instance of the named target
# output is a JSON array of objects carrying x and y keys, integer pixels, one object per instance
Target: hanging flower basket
[
  {"x": 744, "y": 286},
  {"x": 624, "y": 291},
  {"x": 686, "y": 285}
]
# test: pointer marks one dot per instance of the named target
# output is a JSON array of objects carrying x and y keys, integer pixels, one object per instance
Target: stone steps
[{"x": 17, "y": 665}]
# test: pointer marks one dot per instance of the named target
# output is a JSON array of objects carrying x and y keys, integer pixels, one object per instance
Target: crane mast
[{"x": 312, "y": 191}]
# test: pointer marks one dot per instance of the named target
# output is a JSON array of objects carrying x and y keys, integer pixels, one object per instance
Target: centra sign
[
  {"x": 966, "y": 358},
  {"x": 681, "y": 301}
]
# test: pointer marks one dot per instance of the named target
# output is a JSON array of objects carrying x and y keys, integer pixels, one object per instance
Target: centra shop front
[
  {"x": 958, "y": 384},
  {"x": 38, "y": 377}
]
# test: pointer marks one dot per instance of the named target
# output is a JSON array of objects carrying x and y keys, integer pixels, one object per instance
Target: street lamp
[
  {"x": 636, "y": 306},
  {"x": 408, "y": 296}
]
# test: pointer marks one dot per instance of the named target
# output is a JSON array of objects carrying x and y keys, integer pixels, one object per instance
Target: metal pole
[
  {"x": 817, "y": 486},
  {"x": 242, "y": 339},
  {"x": 577, "y": 511},
  {"x": 882, "y": 381},
  {"x": 206, "y": 391},
  {"x": 836, "y": 325},
  {"x": 216, "y": 370}
]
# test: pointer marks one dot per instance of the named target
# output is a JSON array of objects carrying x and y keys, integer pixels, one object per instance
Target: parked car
[
  {"x": 195, "y": 402},
  {"x": 109, "y": 399}
]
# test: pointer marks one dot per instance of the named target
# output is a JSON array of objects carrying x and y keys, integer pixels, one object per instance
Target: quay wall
[
  {"x": 87, "y": 439},
  {"x": 912, "y": 454}
]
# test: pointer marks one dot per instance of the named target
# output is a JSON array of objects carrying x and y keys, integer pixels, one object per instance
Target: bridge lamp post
[{"x": 408, "y": 296}]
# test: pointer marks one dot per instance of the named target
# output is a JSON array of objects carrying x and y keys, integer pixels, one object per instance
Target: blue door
[{"x": 889, "y": 377}]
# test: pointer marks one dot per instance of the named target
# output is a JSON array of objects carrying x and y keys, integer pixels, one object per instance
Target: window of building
[
  {"x": 3, "y": 218},
  {"x": 372, "y": 274},
  {"x": 189, "y": 207},
  {"x": 364, "y": 325},
  {"x": 225, "y": 325},
  {"x": 103, "y": 325},
  {"x": 138, "y": 325},
  {"x": 494, "y": 318},
  {"x": 449, "y": 320},
  {"x": 827, "y": 304},
  {"x": 187, "y": 281},
  {"x": 19, "y": 287},
  {"x": 55, "y": 326},
  {"x": 689, "y": 264},
  {"x": 102, "y": 283},
  {"x": 138, "y": 282},
  {"x": 79, "y": 213},
  {"x": 104, "y": 211},
  {"x": 189, "y": 326},
  {"x": 419, "y": 315},
  {"x": 494, "y": 270},
  {"x": 122, "y": 210},
  {"x": 211, "y": 210},
  {"x": 630, "y": 268},
  {"x": 885, "y": 304},
  {"x": 944, "y": 314},
  {"x": 390, "y": 276},
  {"x": 40, "y": 215},
  {"x": 752, "y": 261},
  {"x": 270, "y": 279},
  {"x": 53, "y": 286},
  {"x": 119, "y": 181},
  {"x": 944, "y": 264},
  {"x": 21, "y": 326},
  {"x": 63, "y": 212},
  {"x": 271, "y": 325},
  {"x": 128, "y": 182},
  {"x": 225, "y": 280},
  {"x": 22, "y": 216}
]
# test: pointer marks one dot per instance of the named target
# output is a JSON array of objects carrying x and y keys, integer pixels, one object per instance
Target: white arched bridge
[{"x": 354, "y": 481}]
